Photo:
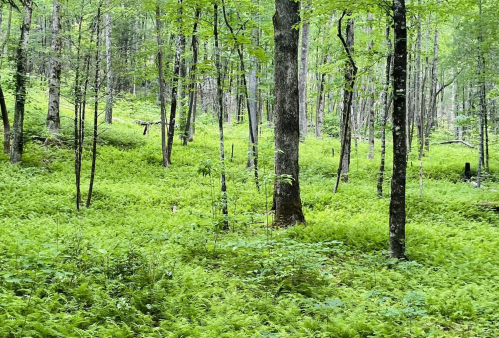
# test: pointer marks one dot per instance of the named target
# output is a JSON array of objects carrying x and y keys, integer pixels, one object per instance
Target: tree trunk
[
  {"x": 175, "y": 87},
  {"x": 188, "y": 132},
  {"x": 7, "y": 36},
  {"x": 53, "y": 118},
  {"x": 253, "y": 127},
  {"x": 287, "y": 201},
  {"x": 109, "y": 69},
  {"x": 302, "y": 86},
  {"x": 350, "y": 77},
  {"x": 253, "y": 113},
  {"x": 319, "y": 112},
  {"x": 6, "y": 123},
  {"x": 96, "y": 107},
  {"x": 432, "y": 111},
  {"x": 161, "y": 87},
  {"x": 21, "y": 81},
  {"x": 386, "y": 109},
  {"x": 397, "y": 202},
  {"x": 218, "y": 66}
]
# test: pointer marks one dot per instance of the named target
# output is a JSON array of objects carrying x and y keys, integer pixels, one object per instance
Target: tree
[
  {"x": 350, "y": 77},
  {"x": 302, "y": 87},
  {"x": 53, "y": 119},
  {"x": 109, "y": 68},
  {"x": 21, "y": 82},
  {"x": 397, "y": 202},
  {"x": 287, "y": 201}
]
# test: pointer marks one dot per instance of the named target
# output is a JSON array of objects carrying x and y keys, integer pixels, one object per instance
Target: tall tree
[
  {"x": 220, "y": 110},
  {"x": 96, "y": 105},
  {"x": 108, "y": 118},
  {"x": 397, "y": 202},
  {"x": 302, "y": 86},
  {"x": 53, "y": 119},
  {"x": 350, "y": 77},
  {"x": 287, "y": 201},
  {"x": 21, "y": 82},
  {"x": 162, "y": 89}
]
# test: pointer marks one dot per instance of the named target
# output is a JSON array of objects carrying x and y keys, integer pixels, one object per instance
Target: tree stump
[{"x": 467, "y": 171}]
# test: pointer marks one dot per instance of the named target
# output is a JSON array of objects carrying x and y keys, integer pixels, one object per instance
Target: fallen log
[
  {"x": 490, "y": 205},
  {"x": 459, "y": 141},
  {"x": 146, "y": 125}
]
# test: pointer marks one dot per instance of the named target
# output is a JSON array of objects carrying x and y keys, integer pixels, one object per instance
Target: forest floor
[{"x": 148, "y": 258}]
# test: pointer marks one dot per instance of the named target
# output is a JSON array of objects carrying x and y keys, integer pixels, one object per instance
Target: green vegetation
[{"x": 148, "y": 258}]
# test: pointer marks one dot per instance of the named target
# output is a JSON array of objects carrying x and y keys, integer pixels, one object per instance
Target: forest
[{"x": 249, "y": 168}]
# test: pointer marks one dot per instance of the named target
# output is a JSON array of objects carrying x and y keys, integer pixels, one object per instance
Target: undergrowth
[{"x": 148, "y": 258}]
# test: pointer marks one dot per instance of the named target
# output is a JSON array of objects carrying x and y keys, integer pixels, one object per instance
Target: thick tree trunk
[
  {"x": 218, "y": 67},
  {"x": 397, "y": 201},
  {"x": 287, "y": 201},
  {"x": 386, "y": 109},
  {"x": 53, "y": 118},
  {"x": 162, "y": 90},
  {"x": 96, "y": 108},
  {"x": 302, "y": 86},
  {"x": 109, "y": 69},
  {"x": 21, "y": 82}
]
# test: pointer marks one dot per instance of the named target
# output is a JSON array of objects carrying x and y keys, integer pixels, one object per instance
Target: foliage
[{"x": 148, "y": 259}]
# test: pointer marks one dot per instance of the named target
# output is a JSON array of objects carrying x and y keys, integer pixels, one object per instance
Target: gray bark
[
  {"x": 302, "y": 86},
  {"x": 53, "y": 118},
  {"x": 253, "y": 112},
  {"x": 161, "y": 87}
]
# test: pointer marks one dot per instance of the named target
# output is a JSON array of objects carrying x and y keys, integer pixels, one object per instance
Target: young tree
[
  {"x": 109, "y": 69},
  {"x": 162, "y": 97},
  {"x": 397, "y": 202},
  {"x": 218, "y": 67},
  {"x": 21, "y": 82},
  {"x": 350, "y": 77},
  {"x": 302, "y": 86},
  {"x": 287, "y": 201}
]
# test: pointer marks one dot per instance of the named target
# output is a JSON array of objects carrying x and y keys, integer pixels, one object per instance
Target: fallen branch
[
  {"x": 459, "y": 141},
  {"x": 147, "y": 125}
]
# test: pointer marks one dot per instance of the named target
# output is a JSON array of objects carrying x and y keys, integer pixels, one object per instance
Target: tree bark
[
  {"x": 218, "y": 66},
  {"x": 174, "y": 97},
  {"x": 96, "y": 107},
  {"x": 287, "y": 201},
  {"x": 302, "y": 87},
  {"x": 21, "y": 82},
  {"x": 350, "y": 77},
  {"x": 161, "y": 87},
  {"x": 386, "y": 109},
  {"x": 53, "y": 118},
  {"x": 6, "y": 123},
  {"x": 188, "y": 132},
  {"x": 109, "y": 69},
  {"x": 253, "y": 113},
  {"x": 397, "y": 202}
]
